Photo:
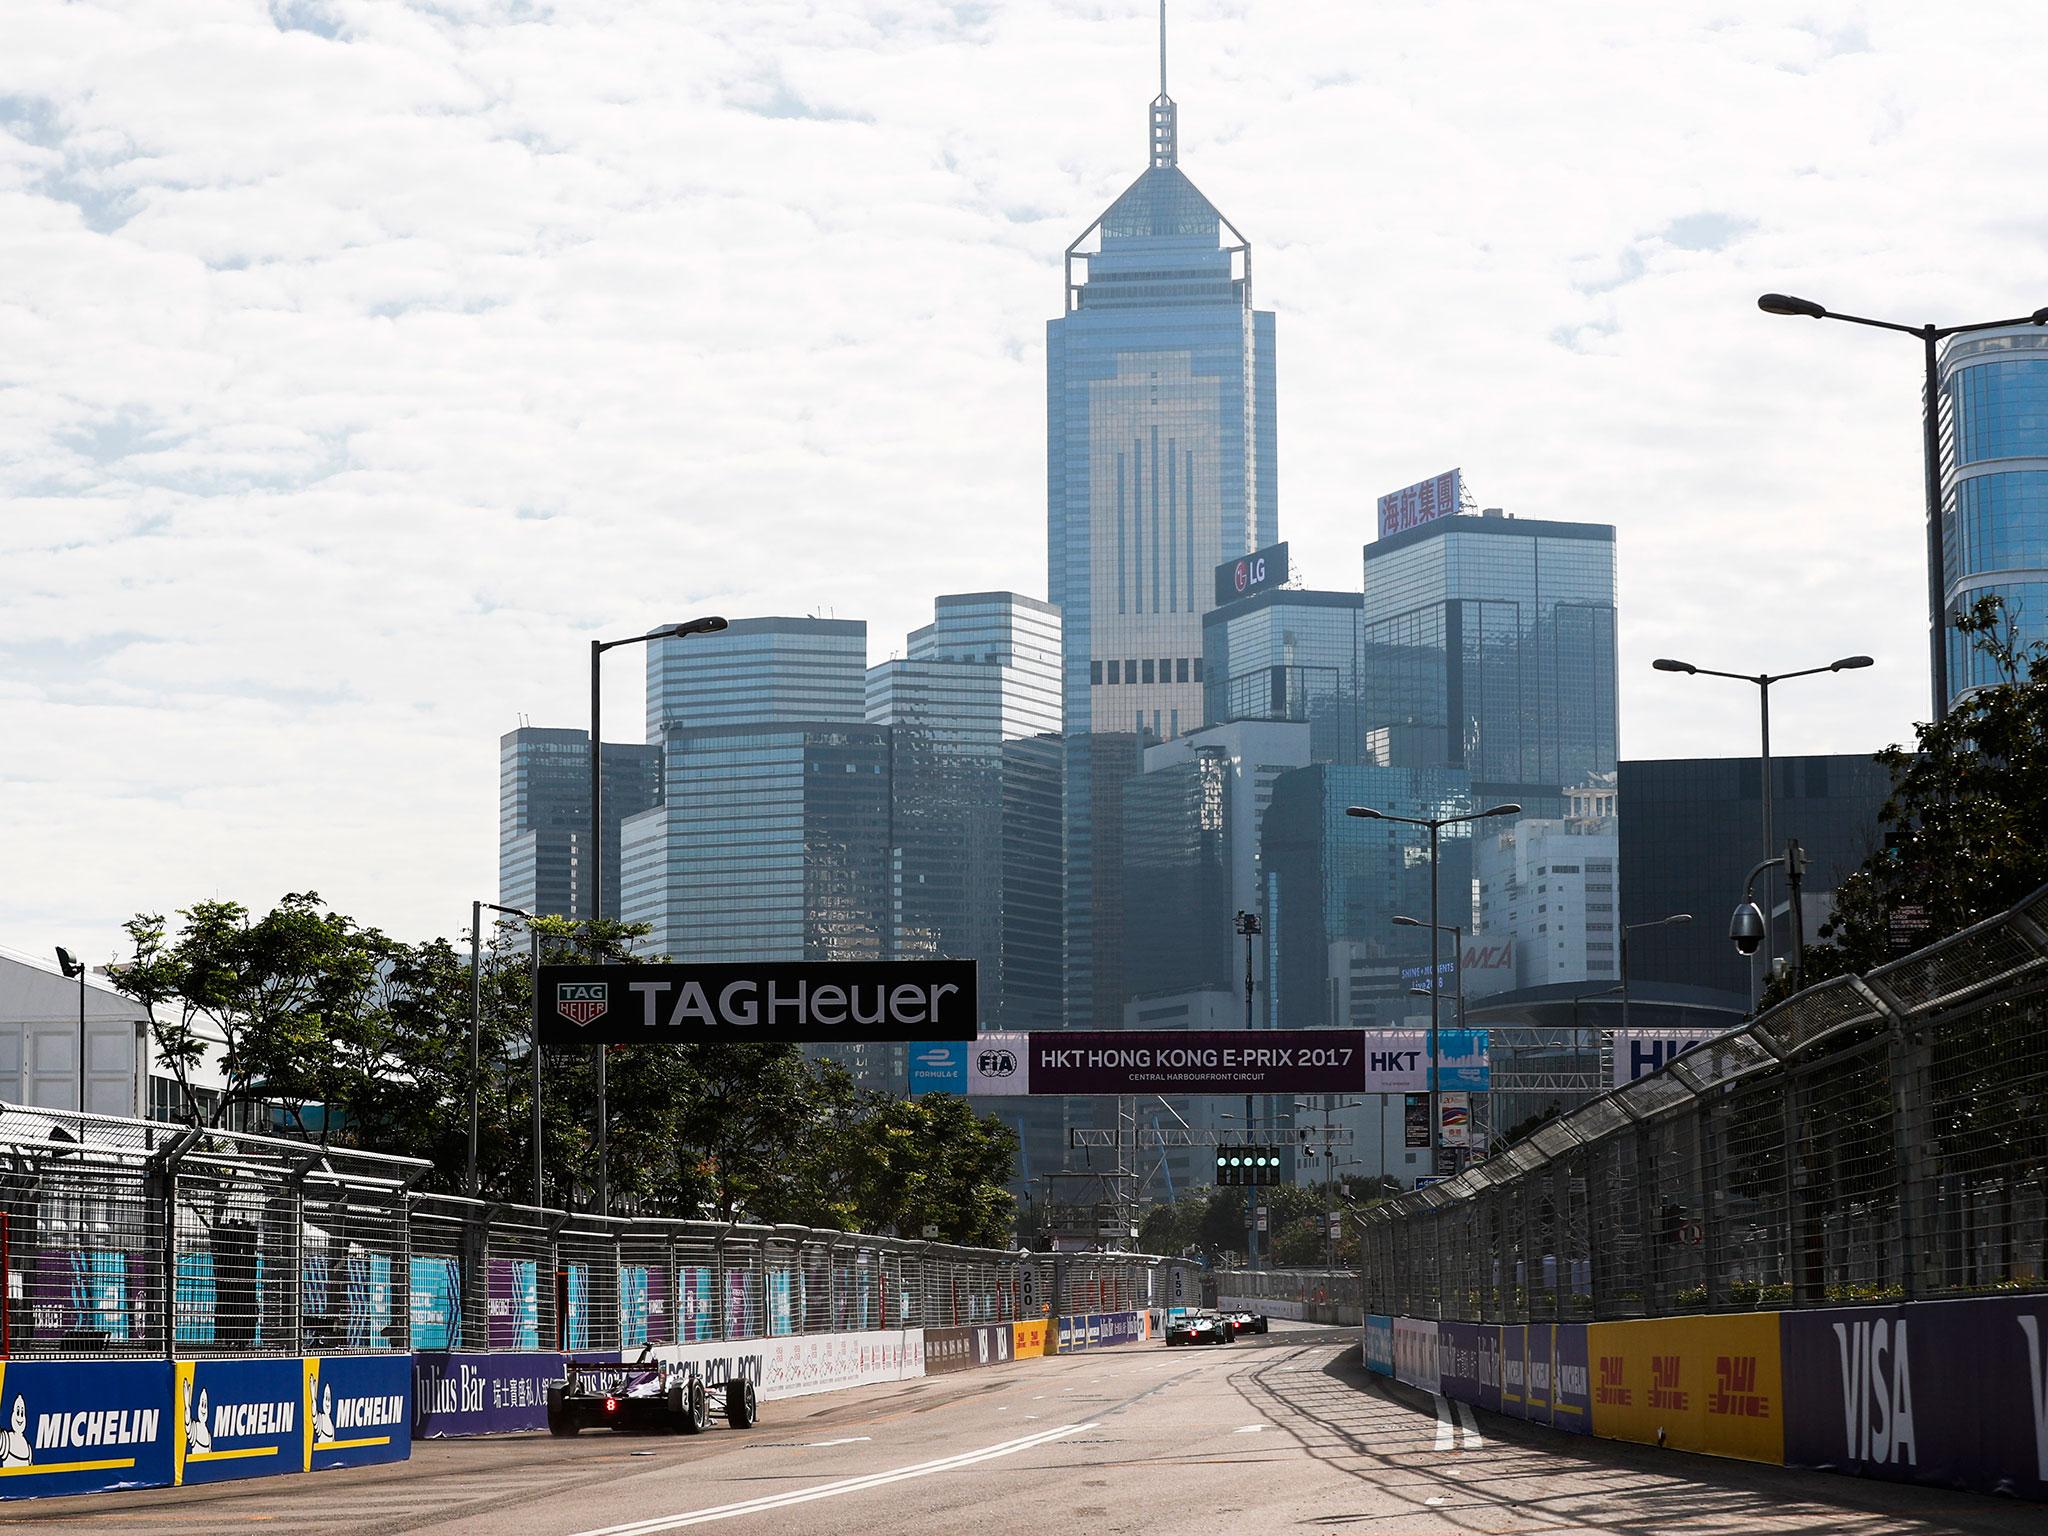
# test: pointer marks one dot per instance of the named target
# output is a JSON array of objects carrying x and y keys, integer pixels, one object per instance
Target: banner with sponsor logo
[
  {"x": 357, "y": 1410},
  {"x": 84, "y": 1426},
  {"x": 1953, "y": 1393},
  {"x": 238, "y": 1418},
  {"x": 1514, "y": 1370},
  {"x": 1379, "y": 1343},
  {"x": 1464, "y": 1357},
  {"x": 1637, "y": 1053},
  {"x": 481, "y": 1394},
  {"x": 1027, "y": 1341},
  {"x": 436, "y": 1293},
  {"x": 1098, "y": 1330},
  {"x": 512, "y": 1305},
  {"x": 1260, "y": 571},
  {"x": 999, "y": 1065},
  {"x": 797, "y": 1002},
  {"x": 938, "y": 1066},
  {"x": 961, "y": 1349},
  {"x": 1423, "y": 502},
  {"x": 1571, "y": 1379},
  {"x": 1132, "y": 1061},
  {"x": 1396, "y": 1060},
  {"x": 1711, "y": 1384},
  {"x": 1415, "y": 1354},
  {"x": 819, "y": 1362}
]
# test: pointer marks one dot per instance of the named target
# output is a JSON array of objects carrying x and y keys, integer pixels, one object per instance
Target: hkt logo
[
  {"x": 997, "y": 1064},
  {"x": 582, "y": 1002}
]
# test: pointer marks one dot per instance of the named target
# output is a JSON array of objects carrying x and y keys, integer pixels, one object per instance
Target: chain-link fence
[
  {"x": 1876, "y": 1138},
  {"x": 121, "y": 1237}
]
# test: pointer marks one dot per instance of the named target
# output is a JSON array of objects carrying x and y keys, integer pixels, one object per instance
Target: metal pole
[
  {"x": 594, "y": 861},
  {"x": 1795, "y": 878},
  {"x": 476, "y": 1013},
  {"x": 81, "y": 1043},
  {"x": 1930, "y": 414},
  {"x": 533, "y": 936},
  {"x": 1770, "y": 836},
  {"x": 1624, "y": 984},
  {"x": 1436, "y": 1124}
]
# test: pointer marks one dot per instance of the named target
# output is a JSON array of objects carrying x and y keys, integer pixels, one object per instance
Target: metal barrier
[
  {"x": 124, "y": 1237},
  {"x": 1875, "y": 1138}
]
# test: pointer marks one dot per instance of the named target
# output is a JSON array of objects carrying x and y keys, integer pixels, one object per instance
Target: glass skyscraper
[
  {"x": 1161, "y": 462},
  {"x": 1994, "y": 487},
  {"x": 974, "y": 715},
  {"x": 544, "y": 816},
  {"x": 1286, "y": 655},
  {"x": 1490, "y": 647}
]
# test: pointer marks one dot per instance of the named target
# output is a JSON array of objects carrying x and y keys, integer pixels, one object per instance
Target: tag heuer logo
[
  {"x": 581, "y": 1002},
  {"x": 997, "y": 1064}
]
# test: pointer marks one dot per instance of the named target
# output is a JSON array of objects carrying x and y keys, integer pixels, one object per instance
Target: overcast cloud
[{"x": 359, "y": 361}]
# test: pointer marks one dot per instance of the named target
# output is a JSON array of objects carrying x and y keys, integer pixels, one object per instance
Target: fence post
[
  {"x": 1907, "y": 1063},
  {"x": 1649, "y": 1214},
  {"x": 1795, "y": 1189}
]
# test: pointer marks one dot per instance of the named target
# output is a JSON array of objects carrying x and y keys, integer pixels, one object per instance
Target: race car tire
[
  {"x": 742, "y": 1408},
  {"x": 696, "y": 1412},
  {"x": 1260, "y": 1326},
  {"x": 559, "y": 1422}
]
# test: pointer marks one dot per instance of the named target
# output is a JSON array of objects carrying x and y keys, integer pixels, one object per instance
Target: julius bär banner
[
  {"x": 800, "y": 1002},
  {"x": 1126, "y": 1061}
]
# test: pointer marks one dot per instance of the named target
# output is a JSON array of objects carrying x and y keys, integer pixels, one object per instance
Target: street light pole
[
  {"x": 1435, "y": 825},
  {"x": 1930, "y": 337},
  {"x": 1762, "y": 682},
  {"x": 72, "y": 966},
  {"x": 1626, "y": 930},
  {"x": 476, "y": 1021},
  {"x": 594, "y": 855}
]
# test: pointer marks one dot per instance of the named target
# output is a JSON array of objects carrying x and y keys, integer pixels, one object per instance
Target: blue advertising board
[
  {"x": 238, "y": 1418},
  {"x": 436, "y": 1303},
  {"x": 358, "y": 1407},
  {"x": 938, "y": 1066},
  {"x": 1463, "y": 1062},
  {"x": 481, "y": 1394},
  {"x": 1379, "y": 1343},
  {"x": 83, "y": 1426}
]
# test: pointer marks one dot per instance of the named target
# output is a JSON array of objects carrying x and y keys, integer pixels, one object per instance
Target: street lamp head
[
  {"x": 1675, "y": 918},
  {"x": 2039, "y": 317},
  {"x": 1851, "y": 664},
  {"x": 1510, "y": 809},
  {"x": 1666, "y": 664},
  {"x": 710, "y": 624},
  {"x": 1407, "y": 922},
  {"x": 71, "y": 965},
  {"x": 1786, "y": 304},
  {"x": 1364, "y": 813}
]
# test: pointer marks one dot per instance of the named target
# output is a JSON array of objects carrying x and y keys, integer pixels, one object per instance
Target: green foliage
[
  {"x": 1213, "y": 1223},
  {"x": 1965, "y": 832},
  {"x": 304, "y": 1010}
]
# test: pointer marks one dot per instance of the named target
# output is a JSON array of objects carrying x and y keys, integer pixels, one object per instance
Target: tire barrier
[{"x": 1951, "y": 1394}]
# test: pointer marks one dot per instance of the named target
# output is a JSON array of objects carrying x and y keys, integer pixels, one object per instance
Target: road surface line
[
  {"x": 1446, "y": 1430},
  {"x": 831, "y": 1490},
  {"x": 1474, "y": 1441}
]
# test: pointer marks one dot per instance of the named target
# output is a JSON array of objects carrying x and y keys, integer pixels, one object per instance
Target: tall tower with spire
[{"x": 1161, "y": 438}]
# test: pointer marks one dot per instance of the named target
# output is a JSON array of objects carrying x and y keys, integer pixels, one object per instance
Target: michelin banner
[
  {"x": 358, "y": 1410},
  {"x": 1953, "y": 1393},
  {"x": 238, "y": 1418},
  {"x": 84, "y": 1426}
]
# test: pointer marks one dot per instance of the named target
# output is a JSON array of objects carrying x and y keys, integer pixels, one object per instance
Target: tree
[{"x": 1965, "y": 833}]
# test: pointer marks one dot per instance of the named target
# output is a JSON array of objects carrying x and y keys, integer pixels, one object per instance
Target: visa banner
[{"x": 83, "y": 1426}]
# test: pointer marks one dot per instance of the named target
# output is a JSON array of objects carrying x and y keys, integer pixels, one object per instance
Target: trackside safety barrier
[
  {"x": 1818, "y": 1239},
  {"x": 1308, "y": 1295},
  {"x": 184, "y": 1305}
]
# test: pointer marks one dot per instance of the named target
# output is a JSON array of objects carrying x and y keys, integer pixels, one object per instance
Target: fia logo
[
  {"x": 996, "y": 1064},
  {"x": 1877, "y": 1391},
  {"x": 582, "y": 1002}
]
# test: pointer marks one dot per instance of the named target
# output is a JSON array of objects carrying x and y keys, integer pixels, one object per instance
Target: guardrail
[{"x": 1876, "y": 1138}]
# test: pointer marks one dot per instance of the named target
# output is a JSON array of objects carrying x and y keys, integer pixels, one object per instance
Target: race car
[
  {"x": 645, "y": 1394},
  {"x": 1247, "y": 1322},
  {"x": 1199, "y": 1328}
]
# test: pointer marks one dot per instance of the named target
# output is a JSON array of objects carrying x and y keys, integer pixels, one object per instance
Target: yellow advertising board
[
  {"x": 1029, "y": 1340},
  {"x": 1712, "y": 1384}
]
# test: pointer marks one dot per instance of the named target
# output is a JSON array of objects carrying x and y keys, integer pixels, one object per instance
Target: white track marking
[
  {"x": 849, "y": 1440},
  {"x": 1446, "y": 1427},
  {"x": 1474, "y": 1441},
  {"x": 1251, "y": 1429},
  {"x": 771, "y": 1501}
]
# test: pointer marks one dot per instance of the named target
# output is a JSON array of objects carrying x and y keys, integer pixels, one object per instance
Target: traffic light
[{"x": 1241, "y": 1166}]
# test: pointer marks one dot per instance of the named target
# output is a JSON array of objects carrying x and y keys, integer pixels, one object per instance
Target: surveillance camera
[{"x": 1746, "y": 928}]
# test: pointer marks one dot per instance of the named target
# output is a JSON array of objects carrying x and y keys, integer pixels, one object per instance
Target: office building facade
[
  {"x": 544, "y": 816},
  {"x": 1548, "y": 909},
  {"x": 1289, "y": 655},
  {"x": 1994, "y": 392},
  {"x": 1692, "y": 829},
  {"x": 1490, "y": 647}
]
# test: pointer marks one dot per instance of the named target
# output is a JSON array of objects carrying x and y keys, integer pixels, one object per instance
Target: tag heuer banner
[{"x": 802, "y": 1002}]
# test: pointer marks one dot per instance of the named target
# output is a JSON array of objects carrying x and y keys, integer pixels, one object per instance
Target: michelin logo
[
  {"x": 87, "y": 1428},
  {"x": 335, "y": 1421}
]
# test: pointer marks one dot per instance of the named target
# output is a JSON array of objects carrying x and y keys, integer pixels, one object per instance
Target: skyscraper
[
  {"x": 544, "y": 816},
  {"x": 1161, "y": 462},
  {"x": 1289, "y": 655},
  {"x": 1994, "y": 390},
  {"x": 1489, "y": 647},
  {"x": 974, "y": 716}
]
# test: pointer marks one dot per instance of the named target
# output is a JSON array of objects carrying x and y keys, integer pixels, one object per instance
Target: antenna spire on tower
[{"x": 1165, "y": 118}]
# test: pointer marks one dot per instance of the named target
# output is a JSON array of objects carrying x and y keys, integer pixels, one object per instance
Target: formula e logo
[
  {"x": 581, "y": 1002},
  {"x": 997, "y": 1064}
]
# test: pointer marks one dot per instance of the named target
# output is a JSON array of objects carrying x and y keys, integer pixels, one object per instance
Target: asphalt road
[{"x": 1275, "y": 1434}]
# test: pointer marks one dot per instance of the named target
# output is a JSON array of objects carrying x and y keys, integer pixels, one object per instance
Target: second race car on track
[
  {"x": 1247, "y": 1322},
  {"x": 646, "y": 1394},
  {"x": 1199, "y": 1328}
]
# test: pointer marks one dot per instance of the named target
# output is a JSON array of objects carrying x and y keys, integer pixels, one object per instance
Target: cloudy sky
[{"x": 359, "y": 361}]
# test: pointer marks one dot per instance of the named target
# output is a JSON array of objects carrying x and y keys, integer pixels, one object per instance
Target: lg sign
[{"x": 1258, "y": 571}]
